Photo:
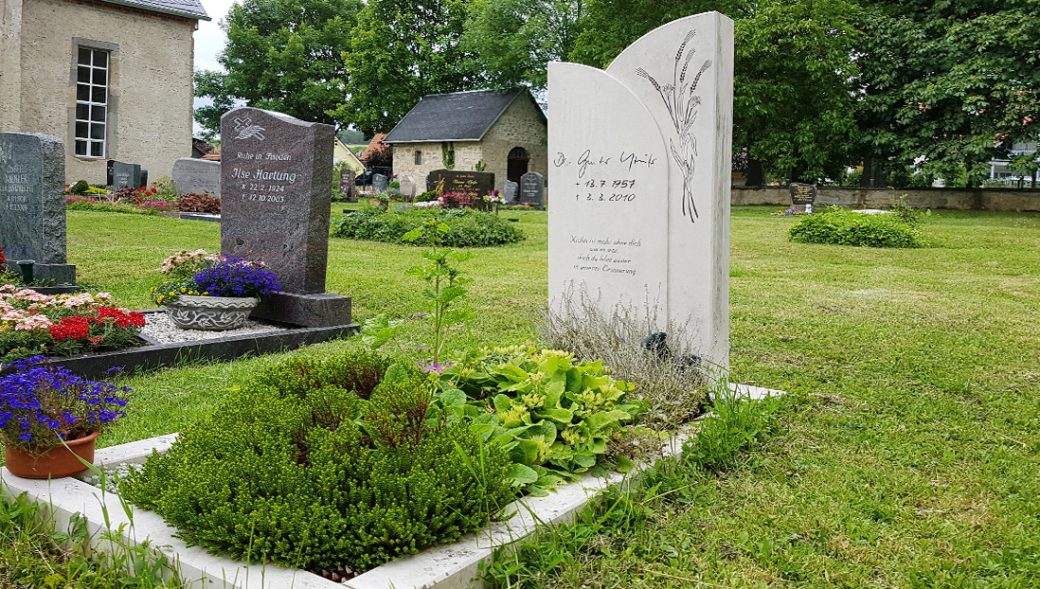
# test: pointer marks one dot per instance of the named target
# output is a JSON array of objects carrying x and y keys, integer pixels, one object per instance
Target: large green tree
[
  {"x": 513, "y": 40},
  {"x": 793, "y": 106},
  {"x": 400, "y": 51},
  {"x": 955, "y": 83},
  {"x": 284, "y": 55}
]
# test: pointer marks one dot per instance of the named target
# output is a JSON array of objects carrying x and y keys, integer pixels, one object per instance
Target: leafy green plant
[
  {"x": 838, "y": 226},
  {"x": 556, "y": 417},
  {"x": 735, "y": 425},
  {"x": 445, "y": 291},
  {"x": 377, "y": 331},
  {"x": 466, "y": 228}
]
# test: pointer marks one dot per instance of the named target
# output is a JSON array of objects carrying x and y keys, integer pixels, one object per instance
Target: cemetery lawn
[{"x": 911, "y": 460}]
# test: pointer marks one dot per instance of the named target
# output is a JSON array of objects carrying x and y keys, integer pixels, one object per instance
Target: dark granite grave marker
[
  {"x": 802, "y": 197},
  {"x": 532, "y": 189},
  {"x": 347, "y": 188},
  {"x": 379, "y": 183},
  {"x": 32, "y": 205},
  {"x": 195, "y": 176},
  {"x": 472, "y": 183},
  {"x": 276, "y": 181},
  {"x": 121, "y": 175}
]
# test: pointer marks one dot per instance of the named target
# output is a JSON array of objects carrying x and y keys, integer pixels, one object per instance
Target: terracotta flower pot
[{"x": 53, "y": 462}]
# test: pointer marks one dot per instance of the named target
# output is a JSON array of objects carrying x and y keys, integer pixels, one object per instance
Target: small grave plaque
[
  {"x": 379, "y": 183},
  {"x": 532, "y": 189},
  {"x": 121, "y": 175},
  {"x": 472, "y": 183},
  {"x": 802, "y": 197},
  {"x": 195, "y": 176},
  {"x": 509, "y": 190},
  {"x": 32, "y": 205}
]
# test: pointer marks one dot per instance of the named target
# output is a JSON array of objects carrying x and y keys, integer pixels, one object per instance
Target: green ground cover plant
[
  {"x": 911, "y": 461},
  {"x": 838, "y": 226},
  {"x": 466, "y": 227},
  {"x": 326, "y": 473}
]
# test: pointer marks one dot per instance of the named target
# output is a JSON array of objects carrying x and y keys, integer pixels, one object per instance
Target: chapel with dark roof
[{"x": 500, "y": 131}]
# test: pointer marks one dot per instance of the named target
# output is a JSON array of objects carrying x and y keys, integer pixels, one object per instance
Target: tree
[
  {"x": 514, "y": 39},
  {"x": 400, "y": 51},
  {"x": 953, "y": 82},
  {"x": 211, "y": 84},
  {"x": 283, "y": 55},
  {"x": 793, "y": 109}
]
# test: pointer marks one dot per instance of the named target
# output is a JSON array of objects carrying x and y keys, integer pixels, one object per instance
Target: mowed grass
[{"x": 915, "y": 462}]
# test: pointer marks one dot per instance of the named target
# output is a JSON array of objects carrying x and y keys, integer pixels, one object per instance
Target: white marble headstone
[{"x": 639, "y": 174}]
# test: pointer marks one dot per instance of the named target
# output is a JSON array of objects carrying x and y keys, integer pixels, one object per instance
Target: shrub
[
  {"x": 299, "y": 481},
  {"x": 79, "y": 188},
  {"x": 840, "y": 227},
  {"x": 466, "y": 228},
  {"x": 199, "y": 203},
  {"x": 355, "y": 371}
]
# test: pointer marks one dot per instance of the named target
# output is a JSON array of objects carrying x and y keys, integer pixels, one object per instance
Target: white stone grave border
[{"x": 448, "y": 566}]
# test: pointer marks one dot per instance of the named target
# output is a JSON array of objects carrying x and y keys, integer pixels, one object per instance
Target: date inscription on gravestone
[{"x": 471, "y": 183}]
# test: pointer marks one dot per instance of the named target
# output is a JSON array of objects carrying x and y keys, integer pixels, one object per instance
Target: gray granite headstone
[
  {"x": 122, "y": 175},
  {"x": 32, "y": 204},
  {"x": 195, "y": 176},
  {"x": 276, "y": 182},
  {"x": 379, "y": 183},
  {"x": 347, "y": 187},
  {"x": 532, "y": 189},
  {"x": 509, "y": 190},
  {"x": 407, "y": 186},
  {"x": 472, "y": 183}
]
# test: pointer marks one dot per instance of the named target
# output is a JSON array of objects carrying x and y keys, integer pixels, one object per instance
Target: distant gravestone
[
  {"x": 276, "y": 181},
  {"x": 472, "y": 183},
  {"x": 32, "y": 205},
  {"x": 346, "y": 184},
  {"x": 122, "y": 175},
  {"x": 407, "y": 186},
  {"x": 532, "y": 189},
  {"x": 195, "y": 176},
  {"x": 379, "y": 183},
  {"x": 639, "y": 168},
  {"x": 509, "y": 190},
  {"x": 803, "y": 196}
]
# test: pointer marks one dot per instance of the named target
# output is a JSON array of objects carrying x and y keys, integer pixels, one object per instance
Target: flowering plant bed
[
  {"x": 62, "y": 325},
  {"x": 198, "y": 273}
]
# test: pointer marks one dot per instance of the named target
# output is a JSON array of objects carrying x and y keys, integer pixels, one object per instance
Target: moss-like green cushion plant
[
  {"x": 465, "y": 227},
  {"x": 300, "y": 471},
  {"x": 838, "y": 226}
]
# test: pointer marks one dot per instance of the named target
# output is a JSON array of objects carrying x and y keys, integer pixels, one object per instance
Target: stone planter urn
[{"x": 210, "y": 313}]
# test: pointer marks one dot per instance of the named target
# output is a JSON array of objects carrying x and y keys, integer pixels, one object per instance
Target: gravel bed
[
  {"x": 112, "y": 474},
  {"x": 161, "y": 329}
]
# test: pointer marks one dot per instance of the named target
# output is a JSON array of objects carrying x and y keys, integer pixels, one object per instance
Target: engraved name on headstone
[
  {"x": 471, "y": 183},
  {"x": 532, "y": 189},
  {"x": 803, "y": 196},
  {"x": 123, "y": 175}
]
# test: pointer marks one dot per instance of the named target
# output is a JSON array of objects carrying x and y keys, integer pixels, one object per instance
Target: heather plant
[
  {"x": 41, "y": 405},
  {"x": 297, "y": 478}
]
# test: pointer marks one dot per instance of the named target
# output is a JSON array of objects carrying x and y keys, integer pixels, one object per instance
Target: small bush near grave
[
  {"x": 466, "y": 228},
  {"x": 199, "y": 203},
  {"x": 838, "y": 226},
  {"x": 302, "y": 471}
]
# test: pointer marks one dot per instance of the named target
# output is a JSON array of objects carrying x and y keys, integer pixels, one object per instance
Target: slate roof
[
  {"x": 187, "y": 8},
  {"x": 462, "y": 116}
]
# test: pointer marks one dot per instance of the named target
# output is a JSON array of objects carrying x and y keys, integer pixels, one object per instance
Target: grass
[{"x": 912, "y": 462}]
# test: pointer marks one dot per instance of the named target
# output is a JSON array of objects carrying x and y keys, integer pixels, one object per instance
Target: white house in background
[{"x": 999, "y": 169}]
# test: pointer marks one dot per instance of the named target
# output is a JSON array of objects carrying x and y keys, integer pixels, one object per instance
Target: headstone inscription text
[
  {"x": 532, "y": 189},
  {"x": 802, "y": 197}
]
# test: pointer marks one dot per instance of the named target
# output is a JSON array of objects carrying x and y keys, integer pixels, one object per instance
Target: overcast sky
[{"x": 209, "y": 39}]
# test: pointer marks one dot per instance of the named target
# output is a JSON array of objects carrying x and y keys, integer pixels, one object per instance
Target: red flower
[
  {"x": 3, "y": 260},
  {"x": 121, "y": 318},
  {"x": 76, "y": 327}
]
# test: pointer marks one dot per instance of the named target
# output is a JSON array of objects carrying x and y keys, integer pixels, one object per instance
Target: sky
[{"x": 209, "y": 39}]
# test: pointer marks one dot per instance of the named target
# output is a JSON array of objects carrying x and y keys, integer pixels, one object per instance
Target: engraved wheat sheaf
[
  {"x": 247, "y": 130},
  {"x": 682, "y": 105}
]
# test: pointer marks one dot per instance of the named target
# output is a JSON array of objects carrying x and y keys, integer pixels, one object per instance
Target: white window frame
[{"x": 88, "y": 140}]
